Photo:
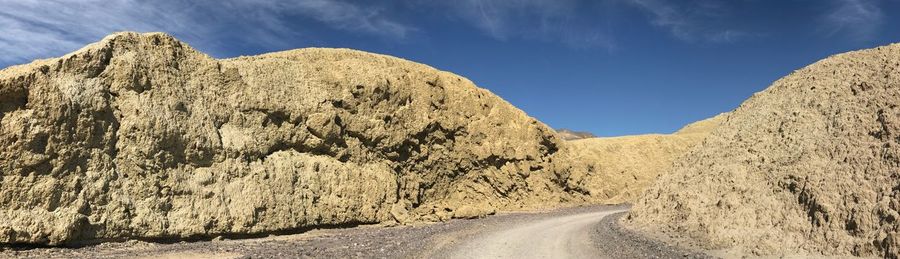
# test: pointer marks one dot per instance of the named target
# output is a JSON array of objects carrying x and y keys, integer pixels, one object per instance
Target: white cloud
[
  {"x": 859, "y": 19},
  {"x": 556, "y": 20},
  {"x": 349, "y": 16},
  {"x": 43, "y": 28},
  {"x": 501, "y": 18},
  {"x": 728, "y": 36},
  {"x": 692, "y": 20}
]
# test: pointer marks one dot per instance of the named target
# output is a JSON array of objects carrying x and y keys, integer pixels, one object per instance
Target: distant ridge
[{"x": 567, "y": 134}]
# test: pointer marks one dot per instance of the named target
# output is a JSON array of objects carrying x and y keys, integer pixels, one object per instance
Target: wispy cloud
[
  {"x": 343, "y": 15},
  {"x": 692, "y": 20},
  {"x": 558, "y": 20},
  {"x": 44, "y": 28},
  {"x": 858, "y": 19}
]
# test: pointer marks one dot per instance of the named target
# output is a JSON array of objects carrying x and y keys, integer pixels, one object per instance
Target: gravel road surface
[
  {"x": 567, "y": 236},
  {"x": 583, "y": 232}
]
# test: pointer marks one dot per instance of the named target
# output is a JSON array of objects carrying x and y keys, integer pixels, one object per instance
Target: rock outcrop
[
  {"x": 619, "y": 169},
  {"x": 810, "y": 165},
  {"x": 139, "y": 136}
]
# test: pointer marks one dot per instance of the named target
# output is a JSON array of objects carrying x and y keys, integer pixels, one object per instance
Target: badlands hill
[
  {"x": 567, "y": 134},
  {"x": 619, "y": 169},
  {"x": 810, "y": 165},
  {"x": 141, "y": 136}
]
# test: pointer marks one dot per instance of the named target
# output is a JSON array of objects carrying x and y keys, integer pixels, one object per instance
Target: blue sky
[{"x": 611, "y": 67}]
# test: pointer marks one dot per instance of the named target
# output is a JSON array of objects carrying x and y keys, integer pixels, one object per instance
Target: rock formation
[
  {"x": 619, "y": 169},
  {"x": 810, "y": 165},
  {"x": 567, "y": 134},
  {"x": 141, "y": 136}
]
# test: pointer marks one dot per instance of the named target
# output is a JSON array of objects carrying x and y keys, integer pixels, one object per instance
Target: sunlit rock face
[
  {"x": 810, "y": 165},
  {"x": 141, "y": 136}
]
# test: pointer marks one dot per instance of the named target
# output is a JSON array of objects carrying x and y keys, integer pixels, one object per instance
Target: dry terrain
[
  {"x": 139, "y": 136},
  {"x": 619, "y": 169},
  {"x": 592, "y": 234},
  {"x": 809, "y": 166}
]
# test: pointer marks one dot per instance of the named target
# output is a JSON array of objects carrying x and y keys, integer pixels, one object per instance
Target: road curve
[{"x": 568, "y": 236}]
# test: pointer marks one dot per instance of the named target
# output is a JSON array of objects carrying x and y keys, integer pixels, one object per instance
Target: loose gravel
[{"x": 424, "y": 241}]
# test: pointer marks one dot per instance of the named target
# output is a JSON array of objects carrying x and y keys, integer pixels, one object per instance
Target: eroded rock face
[
  {"x": 619, "y": 169},
  {"x": 811, "y": 165},
  {"x": 141, "y": 136}
]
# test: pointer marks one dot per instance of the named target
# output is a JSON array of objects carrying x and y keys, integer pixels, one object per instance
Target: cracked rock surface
[
  {"x": 139, "y": 136},
  {"x": 810, "y": 166}
]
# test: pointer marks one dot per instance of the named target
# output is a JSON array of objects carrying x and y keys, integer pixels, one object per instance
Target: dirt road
[
  {"x": 568, "y": 236},
  {"x": 584, "y": 232},
  {"x": 589, "y": 232}
]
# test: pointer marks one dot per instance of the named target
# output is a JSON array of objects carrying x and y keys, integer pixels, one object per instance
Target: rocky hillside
[
  {"x": 141, "y": 136},
  {"x": 809, "y": 166},
  {"x": 567, "y": 134},
  {"x": 619, "y": 169}
]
